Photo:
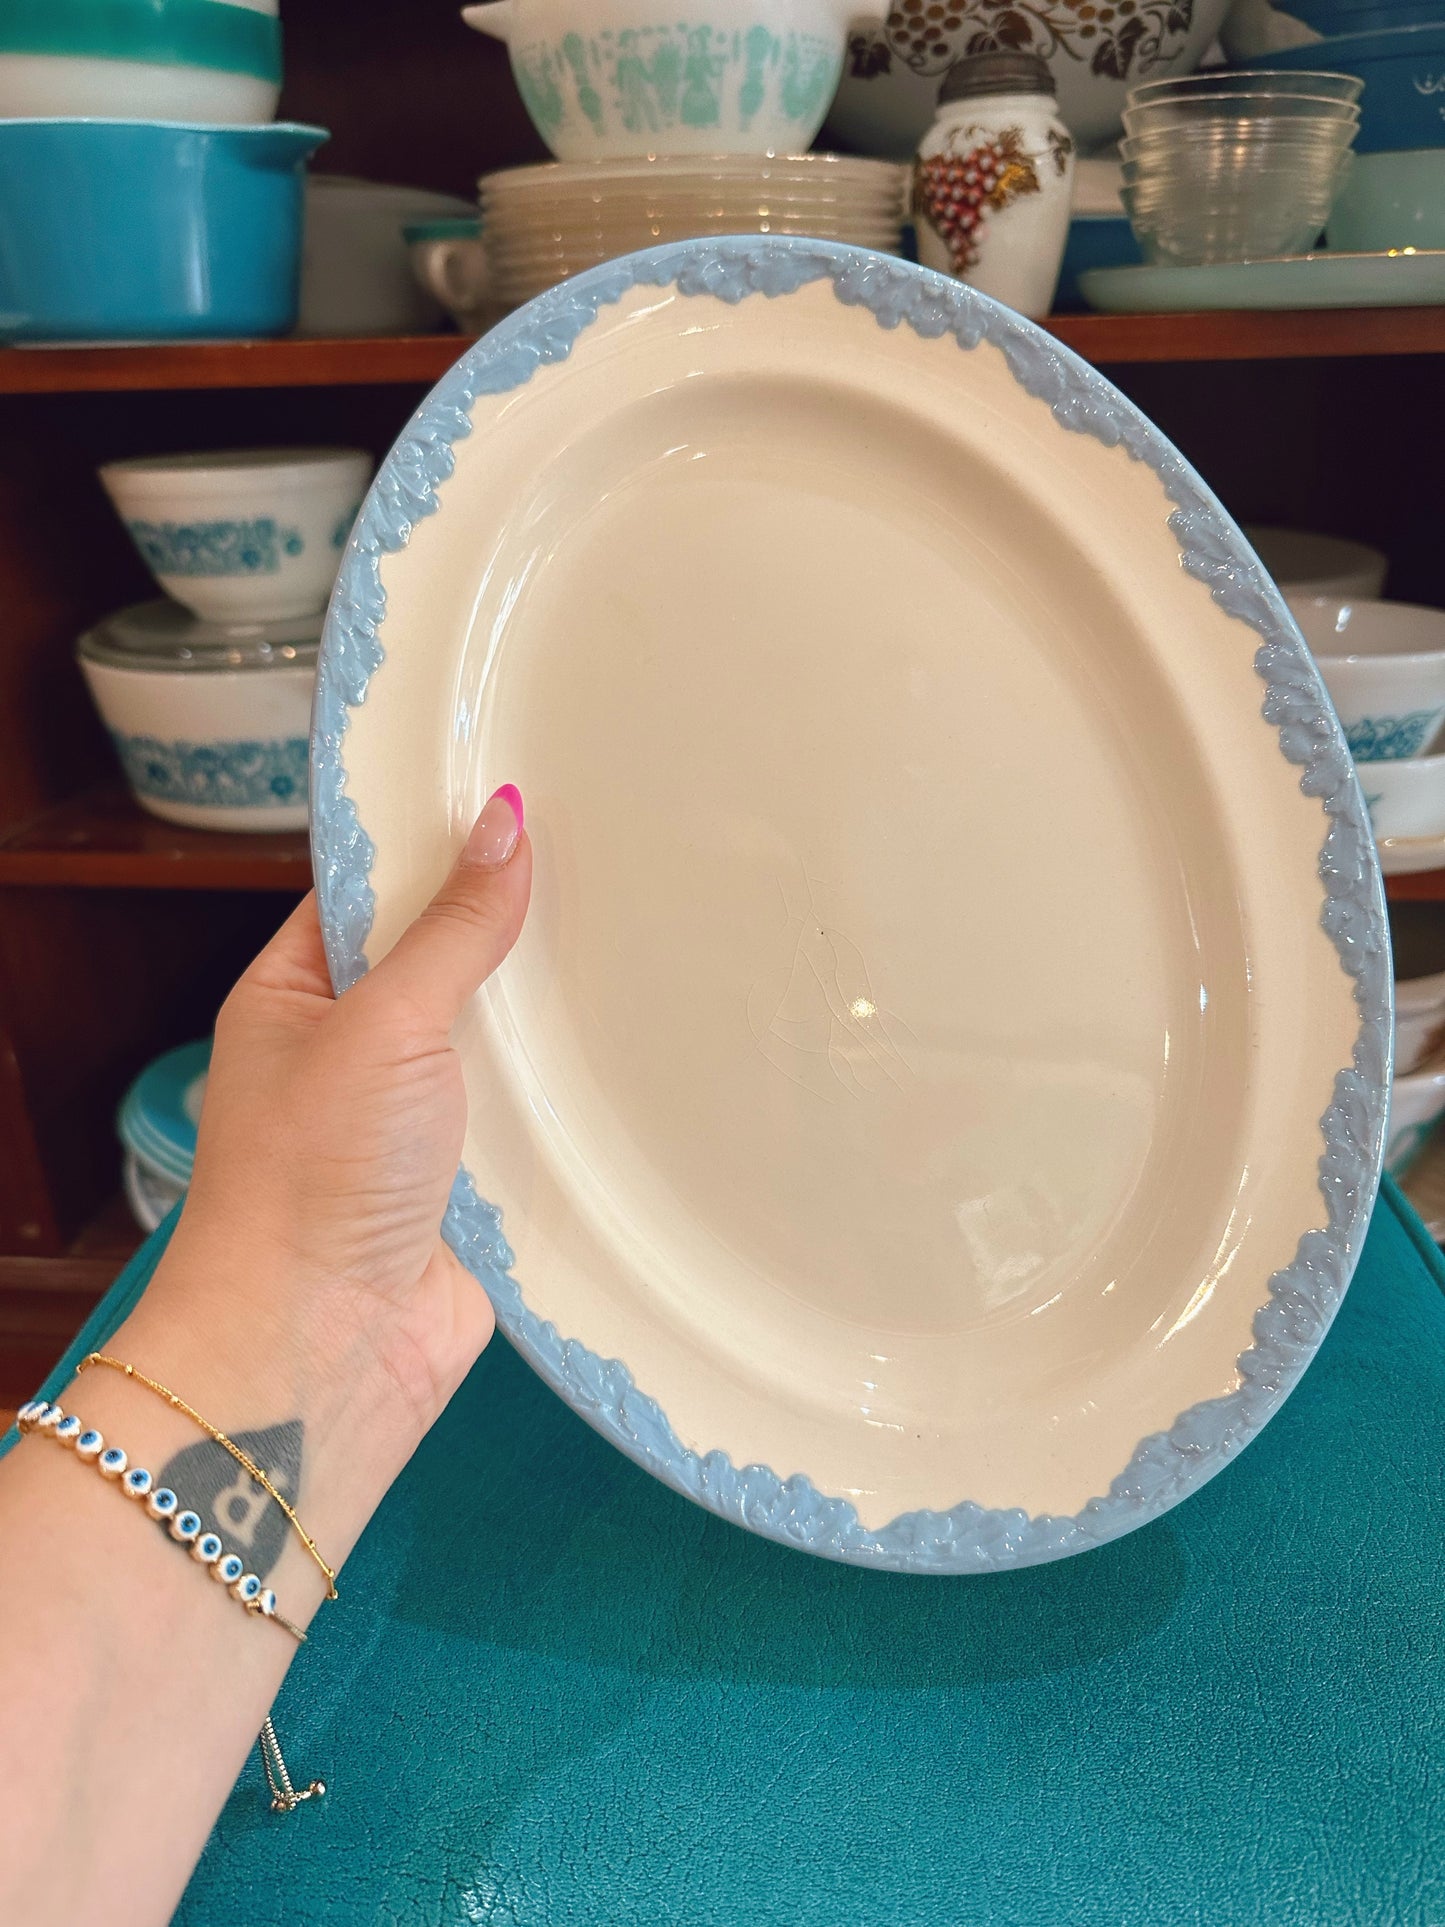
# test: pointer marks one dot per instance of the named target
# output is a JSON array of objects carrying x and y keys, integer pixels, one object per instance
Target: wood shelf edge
[
  {"x": 1425, "y": 886},
  {"x": 293, "y": 362},
  {"x": 419, "y": 360},
  {"x": 102, "y": 840}
]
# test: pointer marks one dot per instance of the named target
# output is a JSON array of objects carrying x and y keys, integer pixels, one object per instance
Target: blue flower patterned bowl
[
  {"x": 251, "y": 535},
  {"x": 1384, "y": 666},
  {"x": 114, "y": 230},
  {"x": 211, "y": 725}
]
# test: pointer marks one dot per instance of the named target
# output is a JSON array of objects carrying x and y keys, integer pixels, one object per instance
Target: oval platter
[{"x": 936, "y": 1104}]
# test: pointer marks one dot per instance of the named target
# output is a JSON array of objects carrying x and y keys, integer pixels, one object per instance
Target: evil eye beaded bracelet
[{"x": 228, "y": 1569}]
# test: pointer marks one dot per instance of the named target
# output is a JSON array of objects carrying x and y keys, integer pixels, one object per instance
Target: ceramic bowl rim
[{"x": 247, "y": 129}]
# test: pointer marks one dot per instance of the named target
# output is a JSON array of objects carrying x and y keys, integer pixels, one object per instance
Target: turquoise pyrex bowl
[
  {"x": 1403, "y": 69},
  {"x": 114, "y": 230}
]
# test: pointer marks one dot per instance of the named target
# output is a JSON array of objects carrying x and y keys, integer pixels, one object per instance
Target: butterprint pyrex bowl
[
  {"x": 211, "y": 725},
  {"x": 125, "y": 230},
  {"x": 246, "y": 535},
  {"x": 607, "y": 78},
  {"x": 1384, "y": 666}
]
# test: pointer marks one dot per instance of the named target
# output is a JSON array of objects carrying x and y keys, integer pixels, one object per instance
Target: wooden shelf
[
  {"x": 421, "y": 359},
  {"x": 1308, "y": 334},
  {"x": 359, "y": 362},
  {"x": 1426, "y": 886},
  {"x": 45, "y": 1301},
  {"x": 103, "y": 840}
]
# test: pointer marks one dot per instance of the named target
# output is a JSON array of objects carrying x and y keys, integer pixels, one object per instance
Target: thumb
[{"x": 469, "y": 925}]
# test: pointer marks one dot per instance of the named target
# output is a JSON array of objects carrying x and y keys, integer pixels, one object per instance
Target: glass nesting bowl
[{"x": 1232, "y": 167}]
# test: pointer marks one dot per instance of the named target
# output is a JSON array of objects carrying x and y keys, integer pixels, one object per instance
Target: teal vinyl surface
[{"x": 554, "y": 1691}]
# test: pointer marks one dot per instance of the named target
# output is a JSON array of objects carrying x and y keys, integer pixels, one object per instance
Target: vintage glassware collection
[{"x": 1033, "y": 172}]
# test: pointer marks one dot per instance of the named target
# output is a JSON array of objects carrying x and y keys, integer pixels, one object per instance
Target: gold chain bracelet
[{"x": 242, "y": 1458}]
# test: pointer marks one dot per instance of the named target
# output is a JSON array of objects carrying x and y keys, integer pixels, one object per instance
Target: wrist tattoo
[{"x": 208, "y": 1480}]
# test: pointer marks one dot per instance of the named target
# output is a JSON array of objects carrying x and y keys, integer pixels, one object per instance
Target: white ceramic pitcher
[{"x": 606, "y": 79}]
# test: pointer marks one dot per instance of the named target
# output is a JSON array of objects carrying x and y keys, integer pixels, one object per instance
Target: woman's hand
[
  {"x": 308, "y": 1261},
  {"x": 332, "y": 1131}
]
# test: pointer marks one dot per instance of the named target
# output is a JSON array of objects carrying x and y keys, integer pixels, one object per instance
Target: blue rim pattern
[{"x": 1302, "y": 1298}]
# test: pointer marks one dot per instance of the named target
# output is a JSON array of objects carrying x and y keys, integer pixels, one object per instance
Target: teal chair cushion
[{"x": 555, "y": 1692}]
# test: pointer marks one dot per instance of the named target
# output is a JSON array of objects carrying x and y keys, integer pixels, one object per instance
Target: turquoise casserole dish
[{"x": 114, "y": 230}]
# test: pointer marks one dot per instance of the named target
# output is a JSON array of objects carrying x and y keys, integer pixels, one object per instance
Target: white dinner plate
[{"x": 908, "y": 1102}]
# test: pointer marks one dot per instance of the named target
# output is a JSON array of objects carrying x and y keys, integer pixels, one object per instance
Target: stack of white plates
[
  {"x": 156, "y": 1125},
  {"x": 546, "y": 223}
]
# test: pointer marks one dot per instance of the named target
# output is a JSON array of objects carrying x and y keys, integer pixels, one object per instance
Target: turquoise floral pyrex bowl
[{"x": 114, "y": 230}]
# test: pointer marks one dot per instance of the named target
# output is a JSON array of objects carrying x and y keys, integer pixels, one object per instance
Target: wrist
[{"x": 270, "y": 1350}]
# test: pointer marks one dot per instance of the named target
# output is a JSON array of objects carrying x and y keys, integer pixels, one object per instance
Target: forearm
[{"x": 133, "y": 1686}]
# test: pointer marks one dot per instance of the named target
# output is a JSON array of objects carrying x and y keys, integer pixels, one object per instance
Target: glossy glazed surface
[{"x": 854, "y": 1047}]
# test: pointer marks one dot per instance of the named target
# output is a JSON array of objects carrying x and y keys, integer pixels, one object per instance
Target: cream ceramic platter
[{"x": 907, "y": 1102}]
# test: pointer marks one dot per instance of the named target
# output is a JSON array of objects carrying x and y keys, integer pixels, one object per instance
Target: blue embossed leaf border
[{"x": 1302, "y": 1298}]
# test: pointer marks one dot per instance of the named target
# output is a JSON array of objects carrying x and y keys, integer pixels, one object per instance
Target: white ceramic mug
[
  {"x": 449, "y": 260},
  {"x": 356, "y": 278}
]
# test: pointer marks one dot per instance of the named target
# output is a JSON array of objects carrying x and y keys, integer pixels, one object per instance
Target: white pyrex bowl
[{"x": 211, "y": 725}]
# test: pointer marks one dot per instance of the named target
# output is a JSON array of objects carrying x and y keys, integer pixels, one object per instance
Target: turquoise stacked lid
[
  {"x": 219, "y": 34},
  {"x": 159, "y": 1113}
]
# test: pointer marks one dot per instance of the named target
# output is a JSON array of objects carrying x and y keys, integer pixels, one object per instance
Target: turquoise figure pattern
[
  {"x": 690, "y": 74},
  {"x": 648, "y": 82},
  {"x": 223, "y": 776},
  {"x": 809, "y": 82},
  {"x": 702, "y": 75},
  {"x": 256, "y": 547},
  {"x": 541, "y": 95},
  {"x": 1388, "y": 739},
  {"x": 574, "y": 52}
]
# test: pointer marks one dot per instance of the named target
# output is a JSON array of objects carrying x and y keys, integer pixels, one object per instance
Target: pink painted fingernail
[{"x": 495, "y": 832}]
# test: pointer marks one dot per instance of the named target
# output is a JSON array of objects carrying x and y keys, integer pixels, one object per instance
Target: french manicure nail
[{"x": 495, "y": 832}]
